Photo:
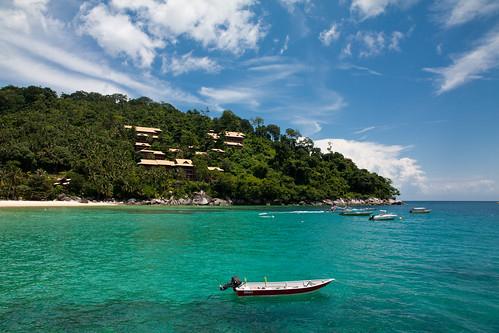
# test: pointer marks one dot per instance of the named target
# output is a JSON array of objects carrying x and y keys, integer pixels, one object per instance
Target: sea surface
[{"x": 157, "y": 269}]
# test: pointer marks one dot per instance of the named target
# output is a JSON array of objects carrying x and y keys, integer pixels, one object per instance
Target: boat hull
[
  {"x": 280, "y": 292},
  {"x": 383, "y": 217}
]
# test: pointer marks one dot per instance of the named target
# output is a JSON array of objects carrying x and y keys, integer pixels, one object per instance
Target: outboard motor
[{"x": 233, "y": 283}]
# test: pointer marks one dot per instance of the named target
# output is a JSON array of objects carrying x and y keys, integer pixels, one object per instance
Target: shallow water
[{"x": 158, "y": 269}]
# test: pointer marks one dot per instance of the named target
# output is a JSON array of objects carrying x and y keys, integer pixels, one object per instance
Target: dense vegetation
[{"x": 81, "y": 136}]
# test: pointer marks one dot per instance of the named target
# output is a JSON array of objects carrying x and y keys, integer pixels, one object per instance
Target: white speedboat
[
  {"x": 420, "y": 210},
  {"x": 383, "y": 216}
]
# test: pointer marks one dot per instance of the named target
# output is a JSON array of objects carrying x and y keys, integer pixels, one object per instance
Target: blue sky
[{"x": 408, "y": 89}]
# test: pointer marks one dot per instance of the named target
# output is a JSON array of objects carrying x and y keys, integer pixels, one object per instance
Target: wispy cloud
[
  {"x": 462, "y": 188},
  {"x": 439, "y": 49},
  {"x": 395, "y": 39},
  {"x": 307, "y": 126},
  {"x": 285, "y": 46},
  {"x": 274, "y": 86},
  {"x": 42, "y": 50},
  {"x": 470, "y": 65},
  {"x": 386, "y": 160},
  {"x": 291, "y": 5},
  {"x": 451, "y": 13},
  {"x": 473, "y": 185},
  {"x": 366, "y": 9},
  {"x": 189, "y": 63},
  {"x": 17, "y": 67},
  {"x": 362, "y": 69},
  {"x": 255, "y": 87},
  {"x": 329, "y": 35},
  {"x": 365, "y": 130},
  {"x": 368, "y": 44},
  {"x": 227, "y": 96}
]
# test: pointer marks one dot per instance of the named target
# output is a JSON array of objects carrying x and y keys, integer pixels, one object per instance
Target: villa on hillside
[
  {"x": 152, "y": 154},
  {"x": 144, "y": 136},
  {"x": 155, "y": 158},
  {"x": 231, "y": 139},
  {"x": 178, "y": 164},
  {"x": 153, "y": 163},
  {"x": 145, "y": 132},
  {"x": 185, "y": 165}
]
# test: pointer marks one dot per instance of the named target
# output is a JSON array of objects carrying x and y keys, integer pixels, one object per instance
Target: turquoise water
[{"x": 144, "y": 269}]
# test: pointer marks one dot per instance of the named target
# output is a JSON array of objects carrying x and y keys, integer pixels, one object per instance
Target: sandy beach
[{"x": 73, "y": 203}]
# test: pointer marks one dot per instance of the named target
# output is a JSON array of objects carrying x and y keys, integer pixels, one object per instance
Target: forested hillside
[{"x": 81, "y": 136}]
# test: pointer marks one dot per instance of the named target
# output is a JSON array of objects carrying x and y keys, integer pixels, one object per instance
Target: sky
[{"x": 405, "y": 88}]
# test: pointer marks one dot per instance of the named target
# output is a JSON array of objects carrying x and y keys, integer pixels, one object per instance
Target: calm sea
[{"x": 142, "y": 269}]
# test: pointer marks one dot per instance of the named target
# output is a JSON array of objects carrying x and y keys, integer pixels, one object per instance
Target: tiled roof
[
  {"x": 183, "y": 162},
  {"x": 144, "y": 129},
  {"x": 215, "y": 169}
]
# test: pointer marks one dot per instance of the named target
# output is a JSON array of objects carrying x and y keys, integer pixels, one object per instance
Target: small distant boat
[
  {"x": 274, "y": 288},
  {"x": 383, "y": 216},
  {"x": 357, "y": 212},
  {"x": 420, "y": 210}
]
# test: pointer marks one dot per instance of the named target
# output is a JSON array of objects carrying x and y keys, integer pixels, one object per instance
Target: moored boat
[
  {"x": 243, "y": 288},
  {"x": 420, "y": 210},
  {"x": 383, "y": 216}
]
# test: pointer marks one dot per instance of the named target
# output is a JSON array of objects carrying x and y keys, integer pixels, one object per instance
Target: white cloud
[
  {"x": 372, "y": 43},
  {"x": 16, "y": 67},
  {"x": 346, "y": 51},
  {"x": 386, "y": 160},
  {"x": 470, "y": 65},
  {"x": 439, "y": 49},
  {"x": 362, "y": 69},
  {"x": 397, "y": 36},
  {"x": 28, "y": 16},
  {"x": 274, "y": 86},
  {"x": 470, "y": 186},
  {"x": 117, "y": 34},
  {"x": 291, "y": 5},
  {"x": 188, "y": 63},
  {"x": 365, "y": 130},
  {"x": 218, "y": 24},
  {"x": 307, "y": 126},
  {"x": 452, "y": 13},
  {"x": 42, "y": 50},
  {"x": 462, "y": 188},
  {"x": 221, "y": 96},
  {"x": 329, "y": 35},
  {"x": 371, "y": 8},
  {"x": 285, "y": 46}
]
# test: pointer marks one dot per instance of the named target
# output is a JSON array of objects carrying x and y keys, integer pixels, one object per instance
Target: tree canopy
[{"x": 81, "y": 136}]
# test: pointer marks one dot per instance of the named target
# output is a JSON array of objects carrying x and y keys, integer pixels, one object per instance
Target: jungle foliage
[{"x": 81, "y": 136}]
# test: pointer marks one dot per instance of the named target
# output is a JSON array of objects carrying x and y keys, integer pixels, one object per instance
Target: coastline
[
  {"x": 199, "y": 199},
  {"x": 55, "y": 203}
]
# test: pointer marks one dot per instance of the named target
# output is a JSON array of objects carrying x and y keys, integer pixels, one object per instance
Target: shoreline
[
  {"x": 55, "y": 203},
  {"x": 199, "y": 201}
]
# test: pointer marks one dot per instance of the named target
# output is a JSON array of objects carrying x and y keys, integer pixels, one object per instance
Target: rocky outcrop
[
  {"x": 201, "y": 198},
  {"x": 362, "y": 202}
]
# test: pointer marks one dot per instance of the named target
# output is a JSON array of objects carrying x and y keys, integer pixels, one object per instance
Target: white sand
[{"x": 20, "y": 204}]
